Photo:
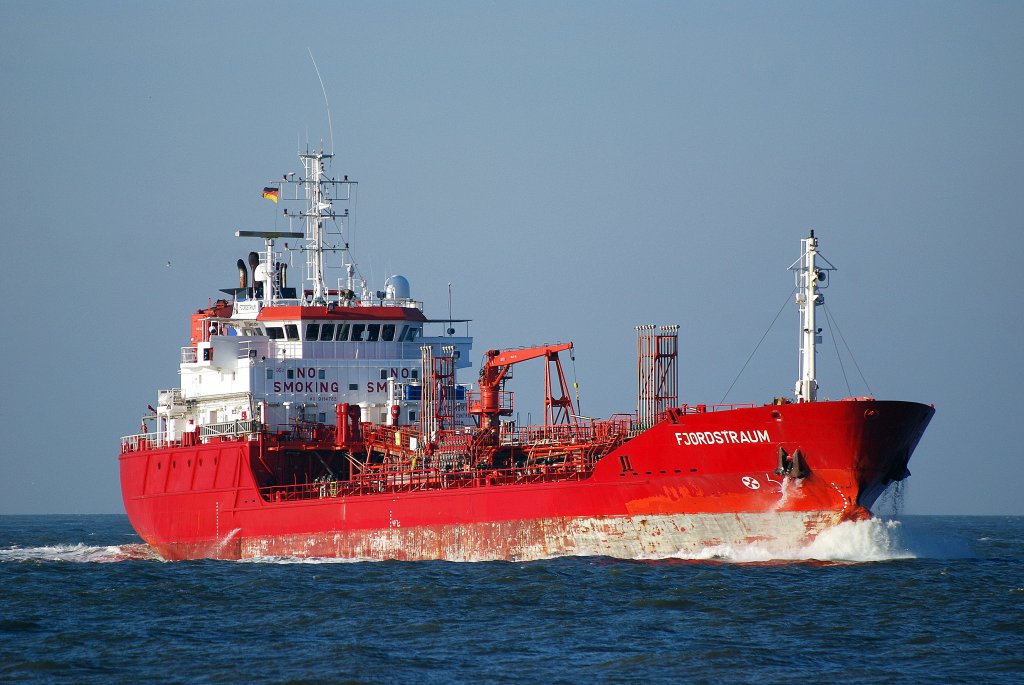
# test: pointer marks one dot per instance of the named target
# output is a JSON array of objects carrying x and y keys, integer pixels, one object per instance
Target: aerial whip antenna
[{"x": 330, "y": 126}]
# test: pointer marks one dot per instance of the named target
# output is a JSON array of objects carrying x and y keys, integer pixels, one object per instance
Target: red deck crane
[{"x": 495, "y": 371}]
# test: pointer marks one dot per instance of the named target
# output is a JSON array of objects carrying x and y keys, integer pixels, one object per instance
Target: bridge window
[
  {"x": 373, "y": 332},
  {"x": 327, "y": 331},
  {"x": 387, "y": 332},
  {"x": 292, "y": 330},
  {"x": 275, "y": 332},
  {"x": 312, "y": 331},
  {"x": 357, "y": 332},
  {"x": 343, "y": 331}
]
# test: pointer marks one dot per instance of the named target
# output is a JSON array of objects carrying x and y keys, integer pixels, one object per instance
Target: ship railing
[
  {"x": 398, "y": 438},
  {"x": 189, "y": 355},
  {"x": 159, "y": 439},
  {"x": 170, "y": 397},
  {"x": 396, "y": 480},
  {"x": 250, "y": 349},
  {"x": 147, "y": 441},
  {"x": 303, "y": 431},
  {"x": 592, "y": 429},
  {"x": 705, "y": 408},
  {"x": 285, "y": 349},
  {"x": 506, "y": 401},
  {"x": 641, "y": 426},
  {"x": 344, "y": 350},
  {"x": 389, "y": 302},
  {"x": 229, "y": 429}
]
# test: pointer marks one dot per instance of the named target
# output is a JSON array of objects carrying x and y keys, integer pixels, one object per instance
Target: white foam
[
  {"x": 302, "y": 560},
  {"x": 850, "y": 541},
  {"x": 78, "y": 553}
]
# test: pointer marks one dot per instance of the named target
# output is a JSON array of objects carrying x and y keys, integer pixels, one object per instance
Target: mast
[
  {"x": 319, "y": 194},
  {"x": 320, "y": 208},
  {"x": 809, "y": 274}
]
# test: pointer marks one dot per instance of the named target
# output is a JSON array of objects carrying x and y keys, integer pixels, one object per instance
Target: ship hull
[{"x": 693, "y": 481}]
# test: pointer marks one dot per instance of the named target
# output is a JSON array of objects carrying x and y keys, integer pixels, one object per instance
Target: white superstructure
[{"x": 280, "y": 356}]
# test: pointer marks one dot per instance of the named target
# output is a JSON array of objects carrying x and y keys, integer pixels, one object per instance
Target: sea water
[{"x": 916, "y": 599}]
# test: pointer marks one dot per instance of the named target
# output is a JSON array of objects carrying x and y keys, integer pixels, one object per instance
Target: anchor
[{"x": 794, "y": 466}]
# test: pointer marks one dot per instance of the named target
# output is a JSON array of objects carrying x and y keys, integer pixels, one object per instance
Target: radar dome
[{"x": 397, "y": 288}]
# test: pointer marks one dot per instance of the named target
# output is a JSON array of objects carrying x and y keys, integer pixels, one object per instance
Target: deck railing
[
  {"x": 229, "y": 429},
  {"x": 214, "y": 431},
  {"x": 391, "y": 481}
]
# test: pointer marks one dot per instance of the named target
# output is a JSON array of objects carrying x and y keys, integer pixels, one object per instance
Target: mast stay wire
[
  {"x": 829, "y": 313},
  {"x": 765, "y": 335},
  {"x": 842, "y": 367}
]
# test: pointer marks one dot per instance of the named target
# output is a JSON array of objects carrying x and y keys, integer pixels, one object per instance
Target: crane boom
[
  {"x": 499, "y": 358},
  {"x": 494, "y": 372}
]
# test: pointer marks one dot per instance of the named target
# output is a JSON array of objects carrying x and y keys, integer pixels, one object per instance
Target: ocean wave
[
  {"x": 302, "y": 560},
  {"x": 80, "y": 553},
  {"x": 865, "y": 541}
]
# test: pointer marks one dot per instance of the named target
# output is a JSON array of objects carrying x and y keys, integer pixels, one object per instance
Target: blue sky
[{"x": 573, "y": 169}]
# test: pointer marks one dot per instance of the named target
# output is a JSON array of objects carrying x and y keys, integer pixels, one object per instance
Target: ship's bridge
[{"x": 300, "y": 362}]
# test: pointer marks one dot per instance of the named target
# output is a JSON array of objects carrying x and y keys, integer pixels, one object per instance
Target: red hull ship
[{"x": 325, "y": 423}]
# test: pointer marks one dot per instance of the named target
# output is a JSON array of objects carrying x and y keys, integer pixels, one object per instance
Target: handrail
[
  {"x": 162, "y": 439},
  {"x": 704, "y": 408},
  {"x": 390, "y": 481},
  {"x": 229, "y": 429}
]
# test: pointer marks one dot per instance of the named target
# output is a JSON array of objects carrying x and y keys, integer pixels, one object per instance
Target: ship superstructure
[
  {"x": 270, "y": 354},
  {"x": 328, "y": 419}
]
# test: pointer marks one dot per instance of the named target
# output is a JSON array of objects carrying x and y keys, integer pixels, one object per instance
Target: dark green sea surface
[{"x": 921, "y": 599}]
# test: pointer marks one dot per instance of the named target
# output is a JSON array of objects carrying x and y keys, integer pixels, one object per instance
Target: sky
[{"x": 573, "y": 169}]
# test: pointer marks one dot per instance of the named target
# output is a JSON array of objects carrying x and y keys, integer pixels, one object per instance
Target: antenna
[{"x": 330, "y": 126}]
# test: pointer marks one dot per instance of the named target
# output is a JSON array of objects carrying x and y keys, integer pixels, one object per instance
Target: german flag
[{"x": 270, "y": 194}]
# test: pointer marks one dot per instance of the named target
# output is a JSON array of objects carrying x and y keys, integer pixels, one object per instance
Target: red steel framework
[
  {"x": 492, "y": 402},
  {"x": 437, "y": 401},
  {"x": 657, "y": 373}
]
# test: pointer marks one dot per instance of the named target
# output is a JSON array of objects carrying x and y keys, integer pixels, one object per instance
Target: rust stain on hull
[{"x": 651, "y": 536}]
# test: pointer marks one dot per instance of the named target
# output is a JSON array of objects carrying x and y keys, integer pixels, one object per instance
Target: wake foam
[
  {"x": 851, "y": 541},
  {"x": 302, "y": 560},
  {"x": 79, "y": 553}
]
